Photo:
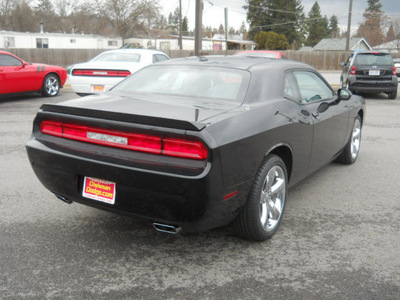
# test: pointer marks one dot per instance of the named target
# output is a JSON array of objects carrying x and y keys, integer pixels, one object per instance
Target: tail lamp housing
[{"x": 183, "y": 148}]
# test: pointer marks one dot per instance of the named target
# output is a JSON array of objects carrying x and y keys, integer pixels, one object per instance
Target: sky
[{"x": 213, "y": 13}]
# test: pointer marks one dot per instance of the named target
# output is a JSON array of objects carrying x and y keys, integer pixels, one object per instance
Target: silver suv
[{"x": 370, "y": 72}]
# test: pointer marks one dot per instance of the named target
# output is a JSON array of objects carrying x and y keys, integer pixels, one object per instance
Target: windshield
[
  {"x": 373, "y": 59},
  {"x": 131, "y": 57},
  {"x": 189, "y": 81}
]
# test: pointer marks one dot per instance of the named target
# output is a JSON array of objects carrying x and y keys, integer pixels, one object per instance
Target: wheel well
[
  {"x": 285, "y": 154},
  {"x": 361, "y": 114}
]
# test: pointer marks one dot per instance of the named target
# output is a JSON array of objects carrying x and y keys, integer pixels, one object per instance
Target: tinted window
[
  {"x": 128, "y": 57},
  {"x": 373, "y": 59},
  {"x": 312, "y": 87},
  {"x": 159, "y": 57},
  {"x": 204, "y": 82},
  {"x": 8, "y": 60}
]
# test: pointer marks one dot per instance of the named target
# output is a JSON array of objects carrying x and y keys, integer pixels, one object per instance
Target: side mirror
[
  {"x": 344, "y": 94},
  {"x": 342, "y": 64}
]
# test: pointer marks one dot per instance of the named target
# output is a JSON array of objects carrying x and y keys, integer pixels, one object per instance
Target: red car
[
  {"x": 18, "y": 76},
  {"x": 263, "y": 53}
]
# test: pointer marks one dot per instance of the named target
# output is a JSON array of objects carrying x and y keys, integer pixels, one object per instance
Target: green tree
[
  {"x": 371, "y": 28},
  {"x": 271, "y": 41},
  {"x": 333, "y": 30},
  {"x": 185, "y": 25},
  {"x": 281, "y": 16},
  {"x": 317, "y": 26}
]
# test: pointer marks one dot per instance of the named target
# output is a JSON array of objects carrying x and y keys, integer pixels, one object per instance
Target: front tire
[
  {"x": 51, "y": 85},
  {"x": 260, "y": 217},
  {"x": 352, "y": 148}
]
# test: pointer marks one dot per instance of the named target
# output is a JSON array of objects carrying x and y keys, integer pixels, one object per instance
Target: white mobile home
[{"x": 12, "y": 39}]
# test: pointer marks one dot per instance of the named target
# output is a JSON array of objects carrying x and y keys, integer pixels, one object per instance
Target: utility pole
[
  {"x": 180, "y": 25},
  {"x": 198, "y": 27},
  {"x": 226, "y": 30},
  {"x": 349, "y": 26}
]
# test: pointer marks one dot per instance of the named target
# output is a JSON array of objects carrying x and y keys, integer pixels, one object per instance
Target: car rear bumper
[
  {"x": 194, "y": 203},
  {"x": 373, "y": 86},
  {"x": 91, "y": 85}
]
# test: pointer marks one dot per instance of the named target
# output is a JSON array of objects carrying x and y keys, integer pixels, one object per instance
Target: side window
[
  {"x": 290, "y": 87},
  {"x": 8, "y": 60},
  {"x": 159, "y": 57},
  {"x": 312, "y": 87}
]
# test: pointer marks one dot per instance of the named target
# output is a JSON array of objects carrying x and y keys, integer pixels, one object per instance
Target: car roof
[
  {"x": 135, "y": 50},
  {"x": 249, "y": 63}
]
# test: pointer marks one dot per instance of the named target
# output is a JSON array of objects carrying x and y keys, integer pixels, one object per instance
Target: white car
[{"x": 109, "y": 68}]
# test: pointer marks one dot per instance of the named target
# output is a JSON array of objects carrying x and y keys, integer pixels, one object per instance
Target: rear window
[
  {"x": 189, "y": 81},
  {"x": 373, "y": 59},
  {"x": 128, "y": 57}
]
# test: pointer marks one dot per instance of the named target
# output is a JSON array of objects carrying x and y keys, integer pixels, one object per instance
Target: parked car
[
  {"x": 109, "y": 68},
  {"x": 396, "y": 62},
  {"x": 263, "y": 53},
  {"x": 370, "y": 72},
  {"x": 197, "y": 143},
  {"x": 18, "y": 76}
]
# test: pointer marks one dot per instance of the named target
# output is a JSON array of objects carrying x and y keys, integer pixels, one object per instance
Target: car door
[
  {"x": 15, "y": 75},
  {"x": 329, "y": 117}
]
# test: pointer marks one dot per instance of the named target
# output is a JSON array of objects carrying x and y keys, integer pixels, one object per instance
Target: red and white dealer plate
[{"x": 99, "y": 189}]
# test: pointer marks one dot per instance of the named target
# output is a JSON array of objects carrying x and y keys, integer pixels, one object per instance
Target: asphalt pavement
[{"x": 339, "y": 237}]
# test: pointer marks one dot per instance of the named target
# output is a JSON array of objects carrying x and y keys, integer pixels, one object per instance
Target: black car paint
[
  {"x": 188, "y": 193},
  {"x": 362, "y": 82}
]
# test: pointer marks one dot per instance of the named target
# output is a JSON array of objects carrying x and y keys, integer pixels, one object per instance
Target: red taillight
[
  {"x": 101, "y": 73},
  {"x": 126, "y": 140},
  {"x": 353, "y": 70},
  {"x": 184, "y": 148},
  {"x": 394, "y": 71}
]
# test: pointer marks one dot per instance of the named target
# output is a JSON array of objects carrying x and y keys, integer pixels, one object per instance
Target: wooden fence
[{"x": 321, "y": 60}]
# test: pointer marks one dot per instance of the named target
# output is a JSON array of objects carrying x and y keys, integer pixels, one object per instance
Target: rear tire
[
  {"x": 51, "y": 85},
  {"x": 392, "y": 95},
  {"x": 260, "y": 217},
  {"x": 352, "y": 148}
]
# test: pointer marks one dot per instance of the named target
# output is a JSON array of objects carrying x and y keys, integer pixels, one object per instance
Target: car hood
[
  {"x": 101, "y": 65},
  {"x": 149, "y": 109}
]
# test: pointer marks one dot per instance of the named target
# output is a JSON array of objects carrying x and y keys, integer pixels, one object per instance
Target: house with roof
[
  {"x": 339, "y": 44},
  {"x": 392, "y": 46}
]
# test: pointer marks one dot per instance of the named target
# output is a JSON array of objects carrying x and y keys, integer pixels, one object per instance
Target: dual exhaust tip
[{"x": 171, "y": 229}]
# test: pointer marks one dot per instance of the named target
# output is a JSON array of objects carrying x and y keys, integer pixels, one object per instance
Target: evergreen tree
[
  {"x": 371, "y": 28},
  {"x": 281, "y": 16},
  {"x": 390, "y": 35},
  {"x": 333, "y": 30},
  {"x": 317, "y": 26},
  {"x": 185, "y": 25}
]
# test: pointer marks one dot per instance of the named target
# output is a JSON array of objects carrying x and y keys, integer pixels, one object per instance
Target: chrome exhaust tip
[
  {"x": 166, "y": 228},
  {"x": 64, "y": 199}
]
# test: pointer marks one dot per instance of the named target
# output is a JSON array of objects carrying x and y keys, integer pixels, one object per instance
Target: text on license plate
[
  {"x": 374, "y": 72},
  {"x": 98, "y": 189},
  {"x": 98, "y": 88}
]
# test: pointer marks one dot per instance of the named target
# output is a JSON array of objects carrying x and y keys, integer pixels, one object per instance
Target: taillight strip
[
  {"x": 101, "y": 73},
  {"x": 125, "y": 140}
]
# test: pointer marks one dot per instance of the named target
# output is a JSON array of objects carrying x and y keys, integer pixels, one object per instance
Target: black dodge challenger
[{"x": 197, "y": 143}]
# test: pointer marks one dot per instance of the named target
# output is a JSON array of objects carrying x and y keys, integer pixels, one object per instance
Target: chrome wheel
[
  {"x": 355, "y": 139},
  {"x": 51, "y": 86},
  {"x": 272, "y": 199}
]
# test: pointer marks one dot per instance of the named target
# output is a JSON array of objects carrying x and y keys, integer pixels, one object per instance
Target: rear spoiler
[{"x": 128, "y": 118}]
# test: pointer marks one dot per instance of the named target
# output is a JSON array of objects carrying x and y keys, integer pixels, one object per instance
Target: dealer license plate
[
  {"x": 98, "y": 88},
  {"x": 98, "y": 189},
  {"x": 374, "y": 72}
]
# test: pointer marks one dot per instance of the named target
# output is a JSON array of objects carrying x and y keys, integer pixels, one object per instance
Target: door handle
[{"x": 316, "y": 115}]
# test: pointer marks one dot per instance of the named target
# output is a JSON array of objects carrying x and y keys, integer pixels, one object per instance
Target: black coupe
[{"x": 197, "y": 143}]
